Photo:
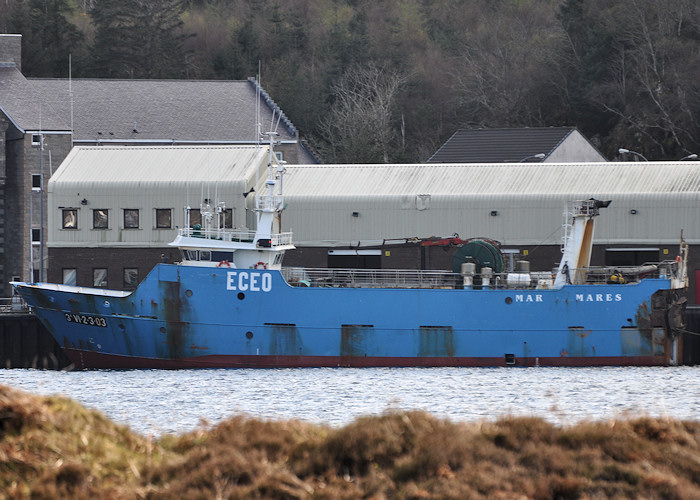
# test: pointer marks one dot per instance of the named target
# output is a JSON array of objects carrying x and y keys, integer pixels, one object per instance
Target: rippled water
[{"x": 159, "y": 401}]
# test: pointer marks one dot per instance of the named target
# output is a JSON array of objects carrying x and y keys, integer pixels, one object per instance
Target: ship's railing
[
  {"x": 407, "y": 278},
  {"x": 14, "y": 304},
  {"x": 270, "y": 203},
  {"x": 281, "y": 239},
  {"x": 371, "y": 278},
  {"x": 233, "y": 235},
  {"x": 632, "y": 274}
]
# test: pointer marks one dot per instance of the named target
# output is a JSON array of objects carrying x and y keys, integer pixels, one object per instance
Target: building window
[
  {"x": 36, "y": 139},
  {"x": 99, "y": 277},
  {"x": 36, "y": 182},
  {"x": 195, "y": 217},
  {"x": 131, "y": 277},
  {"x": 69, "y": 276},
  {"x": 164, "y": 218},
  {"x": 70, "y": 218},
  {"x": 279, "y": 155},
  {"x": 100, "y": 219},
  {"x": 36, "y": 236},
  {"x": 131, "y": 218},
  {"x": 228, "y": 218}
]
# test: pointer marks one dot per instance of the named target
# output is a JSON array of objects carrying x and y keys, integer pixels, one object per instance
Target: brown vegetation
[{"x": 53, "y": 448}]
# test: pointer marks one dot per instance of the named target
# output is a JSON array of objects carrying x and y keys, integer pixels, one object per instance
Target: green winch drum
[{"x": 482, "y": 253}]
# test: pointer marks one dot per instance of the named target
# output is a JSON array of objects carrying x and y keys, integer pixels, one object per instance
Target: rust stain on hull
[
  {"x": 436, "y": 341},
  {"x": 284, "y": 340}
]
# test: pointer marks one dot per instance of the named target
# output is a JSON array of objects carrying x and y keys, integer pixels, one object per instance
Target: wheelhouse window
[
  {"x": 99, "y": 277},
  {"x": 164, "y": 218},
  {"x": 131, "y": 218},
  {"x": 131, "y": 277},
  {"x": 70, "y": 218},
  {"x": 222, "y": 256},
  {"x": 70, "y": 276},
  {"x": 100, "y": 218}
]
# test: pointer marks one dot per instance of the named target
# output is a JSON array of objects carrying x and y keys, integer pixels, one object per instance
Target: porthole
[
  {"x": 188, "y": 293},
  {"x": 241, "y": 295},
  {"x": 249, "y": 335},
  {"x": 509, "y": 300},
  {"x": 162, "y": 329}
]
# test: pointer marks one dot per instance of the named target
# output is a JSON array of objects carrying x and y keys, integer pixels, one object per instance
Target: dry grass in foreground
[{"x": 54, "y": 448}]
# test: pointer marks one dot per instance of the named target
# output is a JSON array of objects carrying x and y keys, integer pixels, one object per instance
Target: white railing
[
  {"x": 218, "y": 234},
  {"x": 371, "y": 278},
  {"x": 270, "y": 203},
  {"x": 234, "y": 235},
  {"x": 282, "y": 239}
]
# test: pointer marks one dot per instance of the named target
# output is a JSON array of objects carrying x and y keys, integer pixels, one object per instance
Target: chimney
[{"x": 11, "y": 51}]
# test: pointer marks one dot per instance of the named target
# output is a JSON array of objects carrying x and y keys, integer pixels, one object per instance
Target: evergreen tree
[
  {"x": 49, "y": 38},
  {"x": 138, "y": 39}
]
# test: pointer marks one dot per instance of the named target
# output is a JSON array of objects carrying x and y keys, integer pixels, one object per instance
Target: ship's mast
[
  {"x": 269, "y": 204},
  {"x": 578, "y": 241}
]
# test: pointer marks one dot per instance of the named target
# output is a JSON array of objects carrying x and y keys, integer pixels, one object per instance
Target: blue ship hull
[{"x": 192, "y": 317}]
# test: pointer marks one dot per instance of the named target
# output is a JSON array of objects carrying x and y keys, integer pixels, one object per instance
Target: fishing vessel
[{"x": 229, "y": 302}]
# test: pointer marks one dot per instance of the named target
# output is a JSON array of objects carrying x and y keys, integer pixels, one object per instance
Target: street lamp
[
  {"x": 623, "y": 151},
  {"x": 689, "y": 157},
  {"x": 539, "y": 156}
]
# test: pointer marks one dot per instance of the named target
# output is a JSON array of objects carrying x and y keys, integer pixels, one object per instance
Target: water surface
[{"x": 162, "y": 401}]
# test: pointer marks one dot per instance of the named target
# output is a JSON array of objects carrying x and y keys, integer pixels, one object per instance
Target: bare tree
[
  {"x": 359, "y": 126},
  {"x": 507, "y": 70},
  {"x": 654, "y": 89}
]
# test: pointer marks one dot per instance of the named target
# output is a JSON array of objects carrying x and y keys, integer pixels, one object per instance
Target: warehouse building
[{"x": 378, "y": 216}]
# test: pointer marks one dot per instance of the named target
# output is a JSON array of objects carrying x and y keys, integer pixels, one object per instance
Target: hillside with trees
[{"x": 391, "y": 80}]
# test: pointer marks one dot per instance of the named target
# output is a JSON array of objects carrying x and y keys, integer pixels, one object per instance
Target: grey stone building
[{"x": 34, "y": 139}]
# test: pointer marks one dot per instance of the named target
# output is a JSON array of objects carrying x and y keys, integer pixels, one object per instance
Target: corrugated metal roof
[
  {"x": 490, "y": 179},
  {"x": 154, "y": 165}
]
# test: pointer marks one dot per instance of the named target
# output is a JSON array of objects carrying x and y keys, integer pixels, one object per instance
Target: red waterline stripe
[{"x": 91, "y": 359}]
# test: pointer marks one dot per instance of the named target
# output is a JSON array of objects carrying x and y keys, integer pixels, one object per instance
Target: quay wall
[
  {"x": 26, "y": 343},
  {"x": 691, "y": 339}
]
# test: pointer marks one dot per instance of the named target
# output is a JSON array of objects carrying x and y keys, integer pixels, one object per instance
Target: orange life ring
[
  {"x": 260, "y": 265},
  {"x": 224, "y": 263}
]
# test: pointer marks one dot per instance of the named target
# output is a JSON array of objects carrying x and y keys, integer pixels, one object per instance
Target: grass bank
[{"x": 52, "y": 447}]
